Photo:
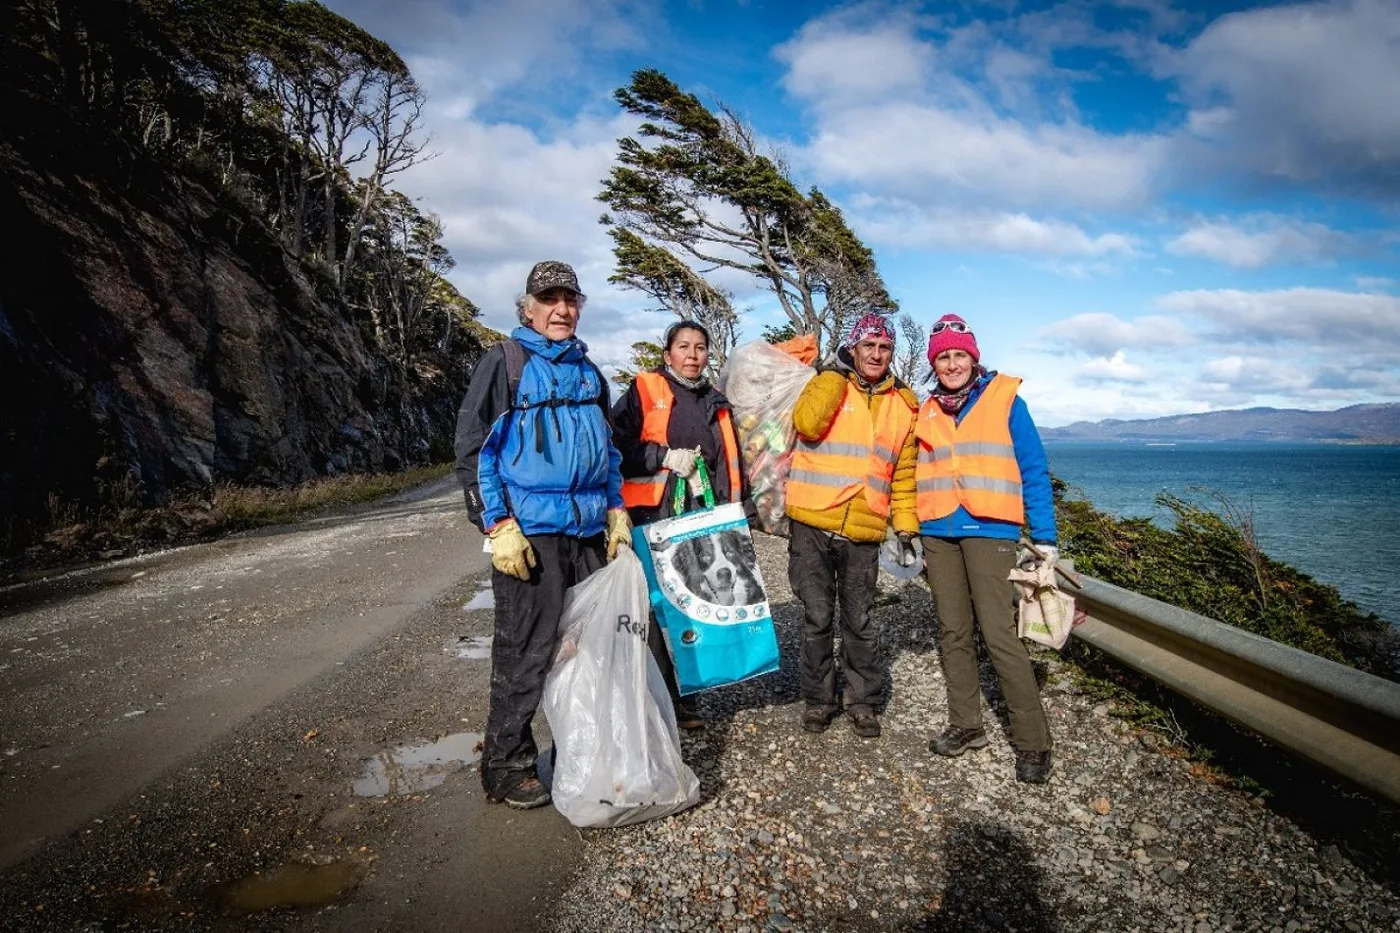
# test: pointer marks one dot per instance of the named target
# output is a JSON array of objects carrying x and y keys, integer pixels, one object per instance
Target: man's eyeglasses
[{"x": 957, "y": 327}]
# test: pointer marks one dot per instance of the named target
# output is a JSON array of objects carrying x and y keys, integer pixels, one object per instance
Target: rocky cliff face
[{"x": 152, "y": 330}]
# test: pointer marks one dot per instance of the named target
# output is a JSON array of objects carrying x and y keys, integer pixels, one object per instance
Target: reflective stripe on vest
[
  {"x": 657, "y": 401},
  {"x": 857, "y": 454},
  {"x": 971, "y": 463}
]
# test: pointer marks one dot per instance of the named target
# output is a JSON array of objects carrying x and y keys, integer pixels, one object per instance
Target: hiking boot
[
  {"x": 527, "y": 795},
  {"x": 1032, "y": 767},
  {"x": 688, "y": 717},
  {"x": 954, "y": 740},
  {"x": 866, "y": 725},
  {"x": 817, "y": 718}
]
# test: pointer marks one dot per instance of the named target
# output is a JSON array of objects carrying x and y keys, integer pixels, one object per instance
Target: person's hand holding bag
[
  {"x": 619, "y": 531},
  {"x": 510, "y": 549},
  {"x": 681, "y": 461}
]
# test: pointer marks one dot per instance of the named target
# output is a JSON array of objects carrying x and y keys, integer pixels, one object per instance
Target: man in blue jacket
[{"x": 542, "y": 479}]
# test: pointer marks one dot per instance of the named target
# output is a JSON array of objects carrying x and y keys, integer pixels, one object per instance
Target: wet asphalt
[{"x": 276, "y": 731}]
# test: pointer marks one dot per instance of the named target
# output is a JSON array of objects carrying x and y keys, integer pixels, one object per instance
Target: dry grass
[
  {"x": 119, "y": 529},
  {"x": 253, "y": 506}
]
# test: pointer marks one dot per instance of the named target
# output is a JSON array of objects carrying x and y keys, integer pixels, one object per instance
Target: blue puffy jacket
[
  {"x": 1036, "y": 493},
  {"x": 545, "y": 457}
]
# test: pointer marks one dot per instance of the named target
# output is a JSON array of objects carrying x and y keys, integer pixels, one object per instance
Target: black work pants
[
  {"x": 821, "y": 567},
  {"x": 527, "y": 633}
]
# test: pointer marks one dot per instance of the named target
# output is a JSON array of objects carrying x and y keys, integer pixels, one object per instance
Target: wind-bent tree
[
  {"x": 692, "y": 185},
  {"x": 910, "y": 363},
  {"x": 646, "y": 356}
]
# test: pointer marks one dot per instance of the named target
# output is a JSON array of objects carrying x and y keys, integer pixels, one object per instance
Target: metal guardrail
[{"x": 1340, "y": 718}]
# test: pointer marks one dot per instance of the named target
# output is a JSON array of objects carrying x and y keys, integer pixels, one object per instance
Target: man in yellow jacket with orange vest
[{"x": 852, "y": 475}]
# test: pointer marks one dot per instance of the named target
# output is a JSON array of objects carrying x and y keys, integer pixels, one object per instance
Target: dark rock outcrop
[{"x": 153, "y": 330}]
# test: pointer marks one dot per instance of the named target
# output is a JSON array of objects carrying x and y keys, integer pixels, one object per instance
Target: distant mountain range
[{"x": 1355, "y": 424}]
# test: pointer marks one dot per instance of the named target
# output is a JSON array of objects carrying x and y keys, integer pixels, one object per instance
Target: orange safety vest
[
  {"x": 971, "y": 463},
  {"x": 657, "y": 401},
  {"x": 855, "y": 454}
]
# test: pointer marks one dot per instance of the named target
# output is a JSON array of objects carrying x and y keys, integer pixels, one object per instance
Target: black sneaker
[
  {"x": 527, "y": 795},
  {"x": 954, "y": 740},
  {"x": 688, "y": 717},
  {"x": 817, "y": 718},
  {"x": 866, "y": 725},
  {"x": 1032, "y": 767}
]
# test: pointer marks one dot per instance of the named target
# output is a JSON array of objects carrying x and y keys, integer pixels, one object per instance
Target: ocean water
[{"x": 1331, "y": 511}]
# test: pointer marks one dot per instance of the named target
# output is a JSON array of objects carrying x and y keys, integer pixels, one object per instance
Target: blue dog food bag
[{"x": 707, "y": 594}]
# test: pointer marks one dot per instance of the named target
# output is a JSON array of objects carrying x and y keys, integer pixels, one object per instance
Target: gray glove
[
  {"x": 681, "y": 461},
  {"x": 907, "y": 557}
]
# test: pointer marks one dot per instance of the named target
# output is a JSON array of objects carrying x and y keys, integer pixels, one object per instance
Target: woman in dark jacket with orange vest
[
  {"x": 667, "y": 420},
  {"x": 981, "y": 474}
]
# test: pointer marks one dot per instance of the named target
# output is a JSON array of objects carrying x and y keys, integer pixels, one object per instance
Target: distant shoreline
[{"x": 1048, "y": 436}]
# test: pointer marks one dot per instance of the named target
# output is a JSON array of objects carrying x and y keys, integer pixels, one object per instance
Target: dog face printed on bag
[{"x": 717, "y": 568}]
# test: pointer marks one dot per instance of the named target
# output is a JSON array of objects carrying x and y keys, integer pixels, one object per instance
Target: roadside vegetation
[{"x": 122, "y": 528}]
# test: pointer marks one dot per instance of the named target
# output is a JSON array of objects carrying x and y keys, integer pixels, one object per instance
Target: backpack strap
[{"x": 515, "y": 366}]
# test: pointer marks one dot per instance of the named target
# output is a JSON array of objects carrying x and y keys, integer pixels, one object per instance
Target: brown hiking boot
[
  {"x": 954, "y": 740},
  {"x": 527, "y": 795},
  {"x": 866, "y": 725},
  {"x": 817, "y": 718},
  {"x": 1032, "y": 767}
]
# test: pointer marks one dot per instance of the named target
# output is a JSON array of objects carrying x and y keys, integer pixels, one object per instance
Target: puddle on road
[
  {"x": 410, "y": 769},
  {"x": 471, "y": 649},
  {"x": 484, "y": 599},
  {"x": 295, "y": 884}
]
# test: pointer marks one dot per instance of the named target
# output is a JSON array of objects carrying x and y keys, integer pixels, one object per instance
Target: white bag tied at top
[
  {"x": 1044, "y": 613},
  {"x": 617, "y": 751}
]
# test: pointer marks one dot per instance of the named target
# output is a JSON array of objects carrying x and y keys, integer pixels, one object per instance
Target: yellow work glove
[
  {"x": 510, "y": 550},
  {"x": 619, "y": 531}
]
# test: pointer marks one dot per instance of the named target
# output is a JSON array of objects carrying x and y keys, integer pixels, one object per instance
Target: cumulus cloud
[
  {"x": 1254, "y": 242},
  {"x": 896, "y": 222},
  {"x": 1106, "y": 335},
  {"x": 1115, "y": 368},
  {"x": 937, "y": 129},
  {"x": 1300, "y": 92},
  {"x": 1320, "y": 318}
]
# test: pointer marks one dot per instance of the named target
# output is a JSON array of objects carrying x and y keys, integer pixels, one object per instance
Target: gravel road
[{"x": 277, "y": 732}]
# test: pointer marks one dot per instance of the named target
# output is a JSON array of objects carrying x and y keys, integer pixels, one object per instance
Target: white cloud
[
  {"x": 1255, "y": 374},
  {"x": 1105, "y": 335},
  {"x": 1115, "y": 368},
  {"x": 938, "y": 132},
  {"x": 1375, "y": 283},
  {"x": 1317, "y": 318},
  {"x": 1257, "y": 241},
  {"x": 893, "y": 222},
  {"x": 1301, "y": 92}
]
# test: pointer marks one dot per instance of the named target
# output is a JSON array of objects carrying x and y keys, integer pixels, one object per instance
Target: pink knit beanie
[
  {"x": 947, "y": 338},
  {"x": 869, "y": 325}
]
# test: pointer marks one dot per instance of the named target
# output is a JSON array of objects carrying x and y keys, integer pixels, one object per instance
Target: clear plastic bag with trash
[
  {"x": 762, "y": 384},
  {"x": 617, "y": 749}
]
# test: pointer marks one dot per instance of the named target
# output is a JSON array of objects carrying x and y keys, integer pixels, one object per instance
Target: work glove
[
  {"x": 907, "y": 557},
  {"x": 681, "y": 461},
  {"x": 619, "y": 531},
  {"x": 510, "y": 550},
  {"x": 1028, "y": 559}
]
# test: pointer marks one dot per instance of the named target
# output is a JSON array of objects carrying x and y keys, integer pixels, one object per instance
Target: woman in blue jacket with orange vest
[
  {"x": 665, "y": 422},
  {"x": 981, "y": 474}
]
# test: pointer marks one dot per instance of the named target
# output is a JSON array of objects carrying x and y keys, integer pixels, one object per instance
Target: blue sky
[{"x": 1144, "y": 208}]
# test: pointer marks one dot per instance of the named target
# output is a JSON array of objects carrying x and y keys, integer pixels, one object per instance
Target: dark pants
[
  {"x": 968, "y": 580},
  {"x": 527, "y": 632},
  {"x": 664, "y": 664},
  {"x": 821, "y": 567}
]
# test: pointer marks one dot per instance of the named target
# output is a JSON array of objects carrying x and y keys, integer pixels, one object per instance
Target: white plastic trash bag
[
  {"x": 617, "y": 751},
  {"x": 762, "y": 384}
]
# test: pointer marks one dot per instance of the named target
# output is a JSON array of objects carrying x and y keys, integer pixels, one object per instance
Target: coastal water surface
[{"x": 1331, "y": 511}]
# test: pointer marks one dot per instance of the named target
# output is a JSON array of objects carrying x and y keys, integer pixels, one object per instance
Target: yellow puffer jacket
[{"x": 816, "y": 409}]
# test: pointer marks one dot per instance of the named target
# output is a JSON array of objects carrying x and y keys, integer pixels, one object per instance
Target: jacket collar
[{"x": 557, "y": 351}]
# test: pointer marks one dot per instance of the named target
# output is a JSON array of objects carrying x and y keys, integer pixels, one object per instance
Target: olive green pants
[{"x": 968, "y": 580}]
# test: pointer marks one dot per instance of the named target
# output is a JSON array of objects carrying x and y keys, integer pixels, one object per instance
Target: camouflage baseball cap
[{"x": 551, "y": 274}]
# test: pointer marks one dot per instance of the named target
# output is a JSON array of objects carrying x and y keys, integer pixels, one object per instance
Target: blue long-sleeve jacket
[
  {"x": 545, "y": 458},
  {"x": 1036, "y": 494}
]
